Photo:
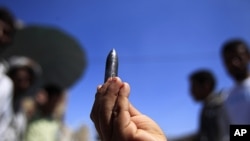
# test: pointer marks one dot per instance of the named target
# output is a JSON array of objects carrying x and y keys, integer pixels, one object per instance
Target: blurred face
[
  {"x": 41, "y": 97},
  {"x": 199, "y": 91},
  {"x": 22, "y": 80},
  {"x": 5, "y": 34},
  {"x": 50, "y": 104},
  {"x": 236, "y": 62}
]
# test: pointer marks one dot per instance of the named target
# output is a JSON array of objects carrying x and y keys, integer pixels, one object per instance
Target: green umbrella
[{"x": 61, "y": 57}]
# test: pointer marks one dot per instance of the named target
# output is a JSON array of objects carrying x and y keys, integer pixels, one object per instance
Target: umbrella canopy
[{"x": 60, "y": 56}]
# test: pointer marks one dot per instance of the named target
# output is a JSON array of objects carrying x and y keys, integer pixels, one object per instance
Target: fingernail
[
  {"x": 99, "y": 87},
  {"x": 110, "y": 79}
]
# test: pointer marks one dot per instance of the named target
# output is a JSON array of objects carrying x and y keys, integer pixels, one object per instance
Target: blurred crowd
[
  {"x": 34, "y": 111},
  {"x": 29, "y": 109}
]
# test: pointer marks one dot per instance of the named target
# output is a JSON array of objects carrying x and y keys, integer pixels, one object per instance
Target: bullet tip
[{"x": 113, "y": 51}]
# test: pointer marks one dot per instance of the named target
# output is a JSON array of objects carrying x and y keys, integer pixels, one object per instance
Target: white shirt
[
  {"x": 6, "y": 112},
  {"x": 238, "y": 103}
]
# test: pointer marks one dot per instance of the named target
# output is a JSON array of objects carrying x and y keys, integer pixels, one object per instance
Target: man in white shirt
[
  {"x": 236, "y": 57},
  {"x": 6, "y": 87}
]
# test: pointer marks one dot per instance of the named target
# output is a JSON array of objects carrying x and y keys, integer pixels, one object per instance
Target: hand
[{"x": 117, "y": 120}]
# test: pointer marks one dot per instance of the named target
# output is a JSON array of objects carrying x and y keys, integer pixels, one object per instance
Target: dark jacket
[{"x": 214, "y": 123}]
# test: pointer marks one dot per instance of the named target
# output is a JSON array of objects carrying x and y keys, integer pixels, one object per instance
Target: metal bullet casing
[{"x": 111, "y": 69}]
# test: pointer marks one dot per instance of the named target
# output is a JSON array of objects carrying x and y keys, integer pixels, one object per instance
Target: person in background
[
  {"x": 214, "y": 124},
  {"x": 7, "y": 30},
  {"x": 25, "y": 74},
  {"x": 116, "y": 119},
  {"x": 45, "y": 125},
  {"x": 235, "y": 56}
]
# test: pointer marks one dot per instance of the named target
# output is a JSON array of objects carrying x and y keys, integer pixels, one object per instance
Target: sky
[{"x": 159, "y": 43}]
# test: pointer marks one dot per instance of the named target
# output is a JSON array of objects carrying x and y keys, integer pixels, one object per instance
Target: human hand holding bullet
[
  {"x": 116, "y": 119},
  {"x": 114, "y": 116}
]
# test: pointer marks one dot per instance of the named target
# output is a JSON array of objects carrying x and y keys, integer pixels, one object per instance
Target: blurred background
[{"x": 159, "y": 43}]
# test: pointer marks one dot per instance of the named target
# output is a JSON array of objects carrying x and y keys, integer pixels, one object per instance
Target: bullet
[{"x": 111, "y": 69}]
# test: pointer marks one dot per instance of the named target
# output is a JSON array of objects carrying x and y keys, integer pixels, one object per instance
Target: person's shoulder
[
  {"x": 217, "y": 99},
  {"x": 5, "y": 80},
  {"x": 224, "y": 93}
]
